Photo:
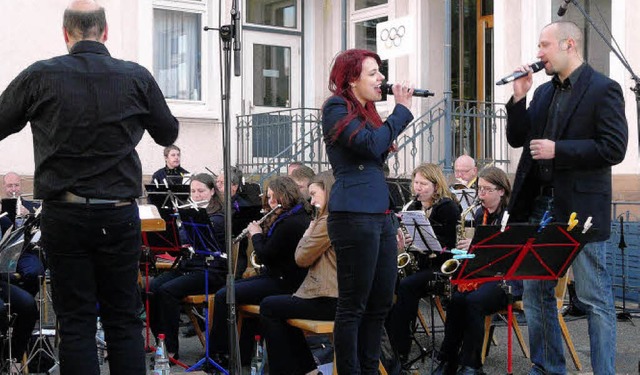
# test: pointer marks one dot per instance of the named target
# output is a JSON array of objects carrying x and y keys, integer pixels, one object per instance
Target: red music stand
[{"x": 521, "y": 252}]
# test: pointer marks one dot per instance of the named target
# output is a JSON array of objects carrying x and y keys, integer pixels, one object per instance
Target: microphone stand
[
  {"x": 622, "y": 59},
  {"x": 624, "y": 315},
  {"x": 228, "y": 33}
]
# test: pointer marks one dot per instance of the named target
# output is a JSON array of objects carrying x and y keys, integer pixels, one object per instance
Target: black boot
[{"x": 445, "y": 368}]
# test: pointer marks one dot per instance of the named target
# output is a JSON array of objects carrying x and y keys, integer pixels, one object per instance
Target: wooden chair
[
  {"x": 560, "y": 291},
  {"x": 247, "y": 311},
  {"x": 192, "y": 303},
  {"x": 517, "y": 306},
  {"x": 323, "y": 327}
]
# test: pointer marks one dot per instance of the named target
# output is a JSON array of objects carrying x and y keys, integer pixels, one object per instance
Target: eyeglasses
[
  {"x": 462, "y": 170},
  {"x": 486, "y": 189}
]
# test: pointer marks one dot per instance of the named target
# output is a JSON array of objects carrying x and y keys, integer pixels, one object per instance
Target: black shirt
[
  {"x": 557, "y": 109},
  {"x": 88, "y": 111}
]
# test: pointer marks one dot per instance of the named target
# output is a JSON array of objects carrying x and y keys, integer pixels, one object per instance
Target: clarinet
[{"x": 245, "y": 231}]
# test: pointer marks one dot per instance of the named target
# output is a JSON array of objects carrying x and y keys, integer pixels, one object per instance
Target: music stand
[
  {"x": 161, "y": 195},
  {"x": 200, "y": 234},
  {"x": 467, "y": 198},
  {"x": 521, "y": 252},
  {"x": 10, "y": 206}
]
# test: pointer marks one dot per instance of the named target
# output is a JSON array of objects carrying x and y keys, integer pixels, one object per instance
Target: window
[
  {"x": 177, "y": 53},
  {"x": 365, "y": 15},
  {"x": 596, "y": 51},
  {"x": 365, "y": 38},
  {"x": 271, "y": 76},
  {"x": 279, "y": 13},
  {"x": 362, "y": 4}
]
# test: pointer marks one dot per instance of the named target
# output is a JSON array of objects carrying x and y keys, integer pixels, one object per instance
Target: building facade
[{"x": 455, "y": 48}]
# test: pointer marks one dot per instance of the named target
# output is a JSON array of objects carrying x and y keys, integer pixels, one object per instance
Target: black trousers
[
  {"x": 165, "y": 300},
  {"x": 93, "y": 253},
  {"x": 23, "y": 305},
  {"x": 287, "y": 349},
  {"x": 464, "y": 327},
  {"x": 249, "y": 291}
]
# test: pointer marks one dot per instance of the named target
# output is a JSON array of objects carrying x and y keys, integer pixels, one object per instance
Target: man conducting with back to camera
[{"x": 88, "y": 111}]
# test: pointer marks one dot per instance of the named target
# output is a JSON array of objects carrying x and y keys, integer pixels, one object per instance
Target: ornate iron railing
[{"x": 268, "y": 142}]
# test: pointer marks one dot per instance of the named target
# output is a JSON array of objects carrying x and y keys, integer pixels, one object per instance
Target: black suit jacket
[{"x": 592, "y": 136}]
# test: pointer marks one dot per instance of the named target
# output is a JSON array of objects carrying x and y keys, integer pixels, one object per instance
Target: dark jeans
[
  {"x": 93, "y": 253},
  {"x": 249, "y": 291},
  {"x": 287, "y": 349},
  {"x": 464, "y": 326},
  {"x": 404, "y": 311},
  {"x": 26, "y": 311},
  {"x": 366, "y": 252},
  {"x": 165, "y": 301}
]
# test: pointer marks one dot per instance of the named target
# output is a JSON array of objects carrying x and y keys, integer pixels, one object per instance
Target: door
[{"x": 272, "y": 91}]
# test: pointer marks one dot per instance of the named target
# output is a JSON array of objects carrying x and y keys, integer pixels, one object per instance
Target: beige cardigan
[{"x": 315, "y": 251}]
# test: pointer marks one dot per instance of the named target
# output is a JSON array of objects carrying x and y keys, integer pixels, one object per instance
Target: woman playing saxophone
[
  {"x": 434, "y": 197},
  {"x": 471, "y": 302}
]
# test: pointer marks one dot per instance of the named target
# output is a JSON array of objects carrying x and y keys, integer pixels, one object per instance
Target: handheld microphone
[
  {"x": 563, "y": 7},
  {"x": 536, "y": 67},
  {"x": 386, "y": 90}
]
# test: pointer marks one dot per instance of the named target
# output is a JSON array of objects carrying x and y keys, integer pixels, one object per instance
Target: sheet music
[
  {"x": 466, "y": 197},
  {"x": 418, "y": 226},
  {"x": 148, "y": 211}
]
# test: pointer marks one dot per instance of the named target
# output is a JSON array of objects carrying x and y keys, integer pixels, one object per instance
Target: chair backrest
[{"x": 561, "y": 289}]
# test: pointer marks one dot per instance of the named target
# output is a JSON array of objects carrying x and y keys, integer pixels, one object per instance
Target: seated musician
[
  {"x": 464, "y": 327},
  {"x": 433, "y": 196},
  {"x": 302, "y": 175},
  {"x": 12, "y": 183},
  {"x": 19, "y": 291},
  {"x": 245, "y": 208},
  {"x": 274, "y": 242},
  {"x": 169, "y": 288},
  {"x": 316, "y": 298},
  {"x": 466, "y": 173},
  {"x": 172, "y": 171}
]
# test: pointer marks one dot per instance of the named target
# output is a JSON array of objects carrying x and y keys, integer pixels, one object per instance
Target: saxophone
[
  {"x": 451, "y": 265},
  {"x": 407, "y": 263}
]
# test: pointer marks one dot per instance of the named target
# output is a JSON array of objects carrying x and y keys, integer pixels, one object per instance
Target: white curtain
[{"x": 176, "y": 53}]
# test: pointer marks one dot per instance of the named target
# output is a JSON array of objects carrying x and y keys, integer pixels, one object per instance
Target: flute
[{"x": 245, "y": 231}]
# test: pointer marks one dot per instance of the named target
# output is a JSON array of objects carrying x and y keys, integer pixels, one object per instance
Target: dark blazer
[
  {"x": 277, "y": 249},
  {"x": 592, "y": 136},
  {"x": 357, "y": 162}
]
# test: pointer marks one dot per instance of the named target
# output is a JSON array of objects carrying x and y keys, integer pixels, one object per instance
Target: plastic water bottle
[
  {"x": 161, "y": 364},
  {"x": 100, "y": 342},
  {"x": 257, "y": 362}
]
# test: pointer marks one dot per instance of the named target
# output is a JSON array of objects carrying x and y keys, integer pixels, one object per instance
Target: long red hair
[{"x": 347, "y": 67}]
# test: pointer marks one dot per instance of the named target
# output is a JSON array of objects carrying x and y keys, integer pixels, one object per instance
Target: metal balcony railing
[{"x": 268, "y": 142}]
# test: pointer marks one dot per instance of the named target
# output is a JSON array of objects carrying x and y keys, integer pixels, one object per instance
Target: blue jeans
[
  {"x": 366, "y": 252},
  {"x": 593, "y": 288},
  {"x": 93, "y": 253}
]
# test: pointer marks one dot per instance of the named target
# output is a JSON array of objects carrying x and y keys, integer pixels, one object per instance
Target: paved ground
[{"x": 627, "y": 360}]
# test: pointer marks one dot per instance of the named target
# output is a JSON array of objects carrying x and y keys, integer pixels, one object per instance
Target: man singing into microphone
[
  {"x": 573, "y": 131},
  {"x": 88, "y": 111}
]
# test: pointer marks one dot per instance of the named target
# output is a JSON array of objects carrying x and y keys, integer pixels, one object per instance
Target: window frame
[
  {"x": 200, "y": 7},
  {"x": 270, "y": 28}
]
